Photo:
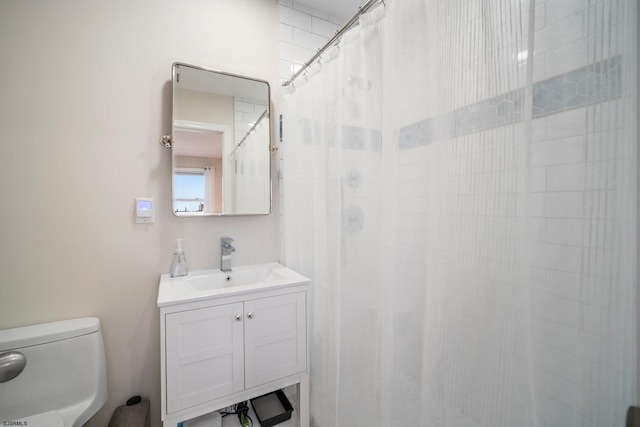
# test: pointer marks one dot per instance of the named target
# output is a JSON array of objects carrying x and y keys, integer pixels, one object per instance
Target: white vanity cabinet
[
  {"x": 204, "y": 355},
  {"x": 233, "y": 346}
]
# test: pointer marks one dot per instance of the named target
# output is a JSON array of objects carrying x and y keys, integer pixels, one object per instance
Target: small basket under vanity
[{"x": 272, "y": 408}]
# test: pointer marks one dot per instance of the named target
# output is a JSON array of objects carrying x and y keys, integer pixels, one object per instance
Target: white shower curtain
[
  {"x": 252, "y": 188},
  {"x": 459, "y": 182}
]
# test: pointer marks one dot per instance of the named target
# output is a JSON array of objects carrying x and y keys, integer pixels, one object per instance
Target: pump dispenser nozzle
[{"x": 179, "y": 267}]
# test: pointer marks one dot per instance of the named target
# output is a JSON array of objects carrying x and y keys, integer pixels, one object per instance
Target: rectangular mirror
[{"x": 220, "y": 143}]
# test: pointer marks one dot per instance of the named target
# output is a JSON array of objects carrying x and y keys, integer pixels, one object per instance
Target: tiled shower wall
[
  {"x": 303, "y": 31},
  {"x": 577, "y": 116}
]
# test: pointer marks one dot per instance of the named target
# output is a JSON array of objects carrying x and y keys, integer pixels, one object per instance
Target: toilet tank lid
[{"x": 26, "y": 336}]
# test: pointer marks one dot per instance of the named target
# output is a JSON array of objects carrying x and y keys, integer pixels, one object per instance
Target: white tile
[
  {"x": 565, "y": 391},
  {"x": 565, "y": 31},
  {"x": 538, "y": 179},
  {"x": 310, "y": 10},
  {"x": 541, "y": 16},
  {"x": 414, "y": 205},
  {"x": 556, "y": 414},
  {"x": 418, "y": 188},
  {"x": 556, "y": 257},
  {"x": 295, "y": 18},
  {"x": 286, "y": 69},
  {"x": 537, "y": 278},
  {"x": 566, "y": 177},
  {"x": 568, "y": 150},
  {"x": 293, "y": 53},
  {"x": 595, "y": 319},
  {"x": 603, "y": 146},
  {"x": 567, "y": 338},
  {"x": 565, "y": 205},
  {"x": 606, "y": 115},
  {"x": 539, "y": 154},
  {"x": 559, "y": 151},
  {"x": 597, "y": 262},
  {"x": 565, "y": 57},
  {"x": 245, "y": 107},
  {"x": 538, "y": 130},
  {"x": 592, "y": 346},
  {"x": 538, "y": 205},
  {"x": 566, "y": 124},
  {"x": 524, "y": 325},
  {"x": 556, "y": 309},
  {"x": 307, "y": 39},
  {"x": 563, "y": 284},
  {"x": 602, "y": 46},
  {"x": 559, "y": 10},
  {"x": 538, "y": 229},
  {"x": 338, "y": 20},
  {"x": 539, "y": 67},
  {"x": 323, "y": 27},
  {"x": 413, "y": 172},
  {"x": 251, "y": 117},
  {"x": 595, "y": 291},
  {"x": 286, "y": 33},
  {"x": 565, "y": 231}
]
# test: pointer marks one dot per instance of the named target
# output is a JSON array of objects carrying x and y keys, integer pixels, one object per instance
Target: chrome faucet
[{"x": 225, "y": 253}]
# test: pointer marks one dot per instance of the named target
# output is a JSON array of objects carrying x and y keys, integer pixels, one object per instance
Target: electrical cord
[{"x": 241, "y": 410}]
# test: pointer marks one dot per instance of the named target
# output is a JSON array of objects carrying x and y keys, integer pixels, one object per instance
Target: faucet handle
[{"x": 226, "y": 249}]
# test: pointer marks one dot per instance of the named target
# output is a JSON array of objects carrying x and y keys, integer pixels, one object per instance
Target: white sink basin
[
  {"x": 216, "y": 279},
  {"x": 213, "y": 283}
]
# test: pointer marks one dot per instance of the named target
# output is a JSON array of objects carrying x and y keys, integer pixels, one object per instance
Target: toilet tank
[{"x": 65, "y": 372}]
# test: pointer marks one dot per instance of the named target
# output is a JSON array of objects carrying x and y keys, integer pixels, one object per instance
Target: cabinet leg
[{"x": 303, "y": 401}]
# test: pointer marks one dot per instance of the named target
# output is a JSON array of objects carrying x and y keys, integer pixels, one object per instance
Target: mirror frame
[{"x": 168, "y": 141}]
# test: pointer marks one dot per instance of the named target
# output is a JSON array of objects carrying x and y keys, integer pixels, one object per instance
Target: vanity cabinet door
[
  {"x": 204, "y": 355},
  {"x": 275, "y": 338}
]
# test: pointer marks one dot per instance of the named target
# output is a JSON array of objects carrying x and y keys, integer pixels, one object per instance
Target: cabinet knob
[
  {"x": 238, "y": 317},
  {"x": 250, "y": 315}
]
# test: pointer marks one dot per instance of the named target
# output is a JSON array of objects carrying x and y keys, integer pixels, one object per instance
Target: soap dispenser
[{"x": 179, "y": 267}]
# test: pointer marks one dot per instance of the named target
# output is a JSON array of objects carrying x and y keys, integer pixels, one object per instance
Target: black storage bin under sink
[{"x": 272, "y": 408}]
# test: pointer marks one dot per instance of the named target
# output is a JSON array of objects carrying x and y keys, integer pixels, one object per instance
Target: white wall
[{"x": 84, "y": 98}]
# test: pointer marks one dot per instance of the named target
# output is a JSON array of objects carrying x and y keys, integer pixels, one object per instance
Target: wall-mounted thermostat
[{"x": 144, "y": 211}]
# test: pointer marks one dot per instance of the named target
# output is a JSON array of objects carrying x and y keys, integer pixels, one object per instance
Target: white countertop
[{"x": 200, "y": 285}]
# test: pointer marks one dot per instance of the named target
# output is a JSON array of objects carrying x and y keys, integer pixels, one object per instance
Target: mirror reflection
[{"x": 220, "y": 143}]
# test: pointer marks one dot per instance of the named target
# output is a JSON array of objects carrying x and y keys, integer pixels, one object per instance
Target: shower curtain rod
[
  {"x": 362, "y": 9},
  {"x": 255, "y": 125}
]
